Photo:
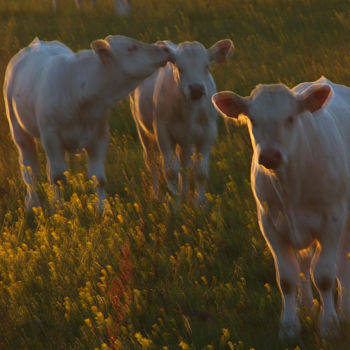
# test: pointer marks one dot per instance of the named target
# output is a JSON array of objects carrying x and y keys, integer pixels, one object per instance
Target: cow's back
[
  {"x": 22, "y": 83},
  {"x": 29, "y": 62},
  {"x": 334, "y": 118},
  {"x": 339, "y": 109}
]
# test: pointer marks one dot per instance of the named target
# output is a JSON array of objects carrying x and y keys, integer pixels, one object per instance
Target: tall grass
[{"x": 143, "y": 275}]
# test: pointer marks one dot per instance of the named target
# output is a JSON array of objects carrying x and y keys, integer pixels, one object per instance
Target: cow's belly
[{"x": 76, "y": 139}]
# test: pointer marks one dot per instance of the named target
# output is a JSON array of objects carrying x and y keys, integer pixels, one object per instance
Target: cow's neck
[{"x": 97, "y": 83}]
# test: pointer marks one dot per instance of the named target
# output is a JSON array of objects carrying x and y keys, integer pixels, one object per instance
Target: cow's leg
[
  {"x": 151, "y": 156},
  {"x": 325, "y": 269},
  {"x": 324, "y": 276},
  {"x": 185, "y": 160},
  {"x": 202, "y": 151},
  {"x": 54, "y": 5},
  {"x": 287, "y": 276},
  {"x": 96, "y": 152},
  {"x": 287, "y": 279},
  {"x": 93, "y": 3},
  {"x": 28, "y": 160},
  {"x": 152, "y": 160},
  {"x": 344, "y": 274},
  {"x": 304, "y": 258},
  {"x": 171, "y": 162},
  {"x": 28, "y": 157},
  {"x": 57, "y": 164}
]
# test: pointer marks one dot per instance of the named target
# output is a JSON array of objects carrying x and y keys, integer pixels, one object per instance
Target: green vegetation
[{"x": 143, "y": 275}]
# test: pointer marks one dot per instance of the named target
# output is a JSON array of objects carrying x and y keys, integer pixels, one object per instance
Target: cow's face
[
  {"x": 131, "y": 58},
  {"x": 272, "y": 118},
  {"x": 273, "y": 113},
  {"x": 192, "y": 62}
]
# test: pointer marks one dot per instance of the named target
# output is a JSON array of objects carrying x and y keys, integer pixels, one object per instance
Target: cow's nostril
[
  {"x": 270, "y": 158},
  {"x": 196, "y": 91}
]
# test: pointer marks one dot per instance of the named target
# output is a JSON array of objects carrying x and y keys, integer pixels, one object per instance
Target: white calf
[
  {"x": 121, "y": 7},
  {"x": 62, "y": 98},
  {"x": 173, "y": 112},
  {"x": 300, "y": 177}
]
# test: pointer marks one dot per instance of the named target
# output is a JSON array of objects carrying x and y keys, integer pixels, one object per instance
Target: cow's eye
[
  {"x": 290, "y": 121},
  {"x": 132, "y": 48}
]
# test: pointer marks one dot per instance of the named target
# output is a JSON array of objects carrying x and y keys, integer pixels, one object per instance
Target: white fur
[
  {"x": 170, "y": 122},
  {"x": 62, "y": 99},
  {"x": 306, "y": 199}
]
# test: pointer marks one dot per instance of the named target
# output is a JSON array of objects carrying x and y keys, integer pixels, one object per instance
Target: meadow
[{"x": 142, "y": 275}]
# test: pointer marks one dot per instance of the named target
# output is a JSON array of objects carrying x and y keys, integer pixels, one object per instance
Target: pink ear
[
  {"x": 230, "y": 104},
  {"x": 315, "y": 97},
  {"x": 102, "y": 49},
  {"x": 221, "y": 50}
]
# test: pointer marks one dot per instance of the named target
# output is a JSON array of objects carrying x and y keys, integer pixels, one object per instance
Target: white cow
[
  {"x": 173, "y": 112},
  {"x": 121, "y": 7},
  {"x": 300, "y": 178},
  {"x": 62, "y": 98}
]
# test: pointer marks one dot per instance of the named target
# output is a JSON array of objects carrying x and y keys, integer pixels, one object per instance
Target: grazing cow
[
  {"x": 300, "y": 178},
  {"x": 62, "y": 98},
  {"x": 173, "y": 112},
  {"x": 121, "y": 7}
]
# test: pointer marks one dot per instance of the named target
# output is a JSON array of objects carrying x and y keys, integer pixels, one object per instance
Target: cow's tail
[{"x": 10, "y": 112}]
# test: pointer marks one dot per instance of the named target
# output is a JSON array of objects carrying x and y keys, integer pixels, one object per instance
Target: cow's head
[
  {"x": 130, "y": 58},
  {"x": 192, "y": 62},
  {"x": 272, "y": 113}
]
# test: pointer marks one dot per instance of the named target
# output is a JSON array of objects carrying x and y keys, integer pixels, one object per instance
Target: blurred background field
[{"x": 143, "y": 276}]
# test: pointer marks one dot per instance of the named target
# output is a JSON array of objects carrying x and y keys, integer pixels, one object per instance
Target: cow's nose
[
  {"x": 196, "y": 91},
  {"x": 270, "y": 158}
]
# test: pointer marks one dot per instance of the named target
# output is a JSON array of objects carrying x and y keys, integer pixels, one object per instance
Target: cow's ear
[
  {"x": 171, "y": 47},
  {"x": 221, "y": 51},
  {"x": 230, "y": 104},
  {"x": 314, "y": 97},
  {"x": 102, "y": 49}
]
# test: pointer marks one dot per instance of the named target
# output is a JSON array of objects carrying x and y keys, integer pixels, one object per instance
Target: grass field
[{"x": 143, "y": 276}]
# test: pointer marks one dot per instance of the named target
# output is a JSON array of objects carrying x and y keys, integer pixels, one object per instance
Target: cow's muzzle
[{"x": 196, "y": 91}]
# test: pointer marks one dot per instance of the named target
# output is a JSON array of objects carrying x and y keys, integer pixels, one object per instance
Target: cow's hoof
[{"x": 329, "y": 328}]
